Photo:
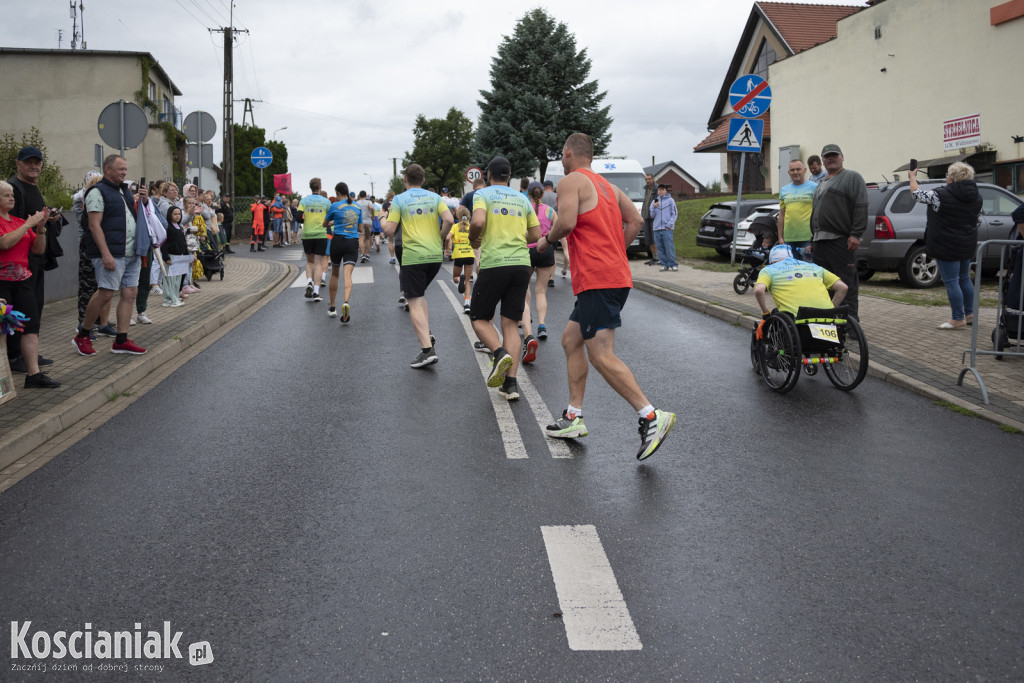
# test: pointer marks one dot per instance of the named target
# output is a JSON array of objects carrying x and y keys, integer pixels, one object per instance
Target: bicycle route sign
[
  {"x": 750, "y": 96},
  {"x": 261, "y": 157}
]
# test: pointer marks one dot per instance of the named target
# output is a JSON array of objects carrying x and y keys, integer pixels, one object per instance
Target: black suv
[
  {"x": 716, "y": 225},
  {"x": 894, "y": 238}
]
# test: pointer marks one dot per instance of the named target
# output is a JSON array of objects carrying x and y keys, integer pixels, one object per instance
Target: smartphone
[
  {"x": 913, "y": 164},
  {"x": 142, "y": 182}
]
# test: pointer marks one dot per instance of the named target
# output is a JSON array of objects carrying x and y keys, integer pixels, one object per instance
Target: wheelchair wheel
[
  {"x": 778, "y": 354},
  {"x": 741, "y": 283},
  {"x": 848, "y": 372}
]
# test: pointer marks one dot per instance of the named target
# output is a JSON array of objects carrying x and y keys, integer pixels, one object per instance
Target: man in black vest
[
  {"x": 27, "y": 201},
  {"x": 114, "y": 243}
]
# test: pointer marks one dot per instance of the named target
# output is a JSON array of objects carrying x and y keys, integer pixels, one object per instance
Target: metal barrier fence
[{"x": 1010, "y": 313}]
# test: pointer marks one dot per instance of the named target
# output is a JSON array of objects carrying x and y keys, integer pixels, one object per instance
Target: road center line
[
  {"x": 558, "y": 448},
  {"x": 510, "y": 436},
  {"x": 593, "y": 610}
]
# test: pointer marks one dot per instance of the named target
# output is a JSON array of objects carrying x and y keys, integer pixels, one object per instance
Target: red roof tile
[{"x": 803, "y": 26}]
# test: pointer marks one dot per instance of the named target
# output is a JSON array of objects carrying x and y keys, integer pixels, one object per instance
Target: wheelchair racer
[{"x": 795, "y": 283}]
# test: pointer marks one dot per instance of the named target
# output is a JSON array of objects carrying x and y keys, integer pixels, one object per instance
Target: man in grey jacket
[{"x": 838, "y": 218}]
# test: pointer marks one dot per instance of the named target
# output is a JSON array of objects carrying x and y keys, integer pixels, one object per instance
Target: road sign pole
[
  {"x": 261, "y": 182},
  {"x": 199, "y": 156},
  {"x": 736, "y": 216},
  {"x": 121, "y": 111}
]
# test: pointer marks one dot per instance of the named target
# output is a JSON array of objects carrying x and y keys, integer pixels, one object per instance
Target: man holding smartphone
[{"x": 28, "y": 199}]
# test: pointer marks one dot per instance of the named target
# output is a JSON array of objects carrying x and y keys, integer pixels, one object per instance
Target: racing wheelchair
[{"x": 783, "y": 345}]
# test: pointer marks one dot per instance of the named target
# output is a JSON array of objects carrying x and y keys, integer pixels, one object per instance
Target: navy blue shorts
[
  {"x": 599, "y": 309},
  {"x": 415, "y": 278}
]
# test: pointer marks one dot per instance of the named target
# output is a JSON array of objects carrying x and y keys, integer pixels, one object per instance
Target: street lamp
[
  {"x": 276, "y": 131},
  {"x": 371, "y": 183}
]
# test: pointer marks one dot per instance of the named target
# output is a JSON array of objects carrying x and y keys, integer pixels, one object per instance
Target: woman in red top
[{"x": 17, "y": 238}]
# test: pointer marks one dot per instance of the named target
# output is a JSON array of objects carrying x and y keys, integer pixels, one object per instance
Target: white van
[{"x": 625, "y": 174}]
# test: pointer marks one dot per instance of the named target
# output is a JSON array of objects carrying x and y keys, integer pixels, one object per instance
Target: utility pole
[
  {"x": 248, "y": 111},
  {"x": 228, "y": 112},
  {"x": 394, "y": 167}
]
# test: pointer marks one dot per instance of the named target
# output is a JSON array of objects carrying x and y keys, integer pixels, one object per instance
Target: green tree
[
  {"x": 247, "y": 176},
  {"x": 51, "y": 179},
  {"x": 396, "y": 185},
  {"x": 442, "y": 148},
  {"x": 539, "y": 96}
]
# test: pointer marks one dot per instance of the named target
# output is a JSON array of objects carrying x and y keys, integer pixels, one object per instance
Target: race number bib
[{"x": 825, "y": 332}]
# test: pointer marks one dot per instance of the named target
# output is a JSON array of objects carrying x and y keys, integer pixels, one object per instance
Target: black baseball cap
[
  {"x": 548, "y": 183},
  {"x": 500, "y": 167},
  {"x": 26, "y": 153},
  {"x": 830, "y": 149}
]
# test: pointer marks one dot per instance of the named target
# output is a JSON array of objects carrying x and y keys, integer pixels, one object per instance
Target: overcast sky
[{"x": 348, "y": 78}]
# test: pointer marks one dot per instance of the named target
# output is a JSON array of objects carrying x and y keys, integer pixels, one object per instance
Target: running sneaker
[
  {"x": 653, "y": 431},
  {"x": 501, "y": 363},
  {"x": 509, "y": 389},
  {"x": 84, "y": 346},
  {"x": 465, "y": 308},
  {"x": 323, "y": 282},
  {"x": 462, "y": 284},
  {"x": 566, "y": 427},
  {"x": 317, "y": 298},
  {"x": 345, "y": 311},
  {"x": 127, "y": 347},
  {"x": 309, "y": 289},
  {"x": 401, "y": 299},
  {"x": 481, "y": 347},
  {"x": 144, "y": 319},
  {"x": 106, "y": 331},
  {"x": 551, "y": 282},
  {"x": 131, "y": 323},
  {"x": 393, "y": 261},
  {"x": 428, "y": 357},
  {"x": 332, "y": 312},
  {"x": 529, "y": 349},
  {"x": 92, "y": 332},
  {"x": 542, "y": 332}
]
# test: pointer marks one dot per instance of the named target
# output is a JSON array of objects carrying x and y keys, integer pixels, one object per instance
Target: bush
[{"x": 51, "y": 181}]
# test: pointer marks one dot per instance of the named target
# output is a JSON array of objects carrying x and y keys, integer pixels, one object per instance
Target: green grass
[
  {"x": 118, "y": 394},
  {"x": 956, "y": 409},
  {"x": 1009, "y": 429},
  {"x": 710, "y": 265},
  {"x": 688, "y": 223}
]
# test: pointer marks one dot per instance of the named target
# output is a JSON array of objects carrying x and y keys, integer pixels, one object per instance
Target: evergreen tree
[
  {"x": 539, "y": 96},
  {"x": 442, "y": 148}
]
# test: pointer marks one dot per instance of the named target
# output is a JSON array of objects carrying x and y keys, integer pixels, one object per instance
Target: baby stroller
[
  {"x": 211, "y": 256},
  {"x": 754, "y": 259},
  {"x": 1011, "y": 295}
]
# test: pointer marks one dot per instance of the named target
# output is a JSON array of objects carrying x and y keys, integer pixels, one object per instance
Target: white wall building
[
  {"x": 62, "y": 92},
  {"x": 898, "y": 71}
]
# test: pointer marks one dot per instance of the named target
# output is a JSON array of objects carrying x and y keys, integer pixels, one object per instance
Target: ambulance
[{"x": 625, "y": 174}]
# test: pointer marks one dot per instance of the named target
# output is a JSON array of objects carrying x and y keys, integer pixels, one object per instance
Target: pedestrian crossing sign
[{"x": 745, "y": 135}]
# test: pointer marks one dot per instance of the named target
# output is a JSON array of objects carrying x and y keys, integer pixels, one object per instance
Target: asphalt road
[{"x": 314, "y": 509}]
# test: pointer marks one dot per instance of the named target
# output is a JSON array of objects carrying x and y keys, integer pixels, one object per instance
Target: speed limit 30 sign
[{"x": 473, "y": 173}]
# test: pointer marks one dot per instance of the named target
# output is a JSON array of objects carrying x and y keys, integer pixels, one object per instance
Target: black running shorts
[
  {"x": 545, "y": 260},
  {"x": 505, "y": 284},
  {"x": 344, "y": 250},
  {"x": 465, "y": 261},
  {"x": 316, "y": 246},
  {"x": 415, "y": 278},
  {"x": 599, "y": 309}
]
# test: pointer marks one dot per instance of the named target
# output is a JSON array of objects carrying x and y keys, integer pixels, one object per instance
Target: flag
[{"x": 283, "y": 183}]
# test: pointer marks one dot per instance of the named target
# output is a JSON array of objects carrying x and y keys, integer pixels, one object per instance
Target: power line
[
  {"x": 203, "y": 10},
  {"x": 219, "y": 18},
  {"x": 187, "y": 10}
]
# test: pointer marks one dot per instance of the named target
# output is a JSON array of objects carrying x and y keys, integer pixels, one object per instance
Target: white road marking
[
  {"x": 510, "y": 436},
  {"x": 593, "y": 610},
  {"x": 360, "y": 276},
  {"x": 558, "y": 448}
]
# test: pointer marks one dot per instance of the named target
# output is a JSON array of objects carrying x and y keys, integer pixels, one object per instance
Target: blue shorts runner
[{"x": 599, "y": 309}]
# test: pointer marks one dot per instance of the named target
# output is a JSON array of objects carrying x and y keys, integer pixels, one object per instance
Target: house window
[
  {"x": 1010, "y": 177},
  {"x": 152, "y": 91},
  {"x": 878, "y": 32},
  {"x": 765, "y": 58}
]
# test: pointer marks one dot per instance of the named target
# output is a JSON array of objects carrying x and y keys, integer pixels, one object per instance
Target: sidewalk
[
  {"x": 90, "y": 384},
  {"x": 905, "y": 347}
]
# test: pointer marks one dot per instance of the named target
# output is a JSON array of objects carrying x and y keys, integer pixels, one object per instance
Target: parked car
[
  {"x": 894, "y": 238},
  {"x": 746, "y": 239},
  {"x": 716, "y": 225}
]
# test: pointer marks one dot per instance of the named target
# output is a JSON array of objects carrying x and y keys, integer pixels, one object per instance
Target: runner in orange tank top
[{"x": 598, "y": 221}]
